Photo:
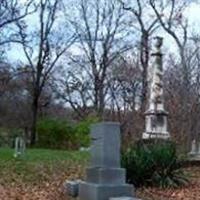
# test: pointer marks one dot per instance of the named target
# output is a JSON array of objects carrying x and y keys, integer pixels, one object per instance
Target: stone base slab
[
  {"x": 91, "y": 191},
  {"x": 106, "y": 175},
  {"x": 155, "y": 135},
  {"x": 194, "y": 156}
]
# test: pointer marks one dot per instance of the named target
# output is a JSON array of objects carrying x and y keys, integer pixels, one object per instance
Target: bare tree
[
  {"x": 12, "y": 11},
  {"x": 101, "y": 39},
  {"x": 124, "y": 85},
  {"x": 147, "y": 24},
  {"x": 44, "y": 52},
  {"x": 171, "y": 18},
  {"x": 174, "y": 24},
  {"x": 183, "y": 120},
  {"x": 124, "y": 89}
]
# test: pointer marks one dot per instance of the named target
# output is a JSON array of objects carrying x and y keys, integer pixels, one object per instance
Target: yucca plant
[{"x": 154, "y": 164}]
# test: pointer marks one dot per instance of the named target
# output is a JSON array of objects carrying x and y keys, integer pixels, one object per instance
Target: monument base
[
  {"x": 155, "y": 135},
  {"x": 91, "y": 191},
  {"x": 194, "y": 156}
]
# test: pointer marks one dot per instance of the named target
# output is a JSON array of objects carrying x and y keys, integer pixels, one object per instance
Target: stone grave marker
[
  {"x": 20, "y": 147},
  {"x": 194, "y": 154},
  {"x": 105, "y": 178},
  {"x": 156, "y": 115}
]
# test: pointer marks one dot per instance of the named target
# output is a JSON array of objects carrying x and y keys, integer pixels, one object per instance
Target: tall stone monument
[
  {"x": 105, "y": 179},
  {"x": 156, "y": 115}
]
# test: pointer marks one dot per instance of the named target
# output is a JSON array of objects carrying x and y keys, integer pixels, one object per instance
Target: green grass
[
  {"x": 38, "y": 165},
  {"x": 38, "y": 155}
]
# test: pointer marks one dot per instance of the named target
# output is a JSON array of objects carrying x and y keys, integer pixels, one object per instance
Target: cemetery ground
[{"x": 39, "y": 175}]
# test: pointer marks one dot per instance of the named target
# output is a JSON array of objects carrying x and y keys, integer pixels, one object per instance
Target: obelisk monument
[{"x": 156, "y": 115}]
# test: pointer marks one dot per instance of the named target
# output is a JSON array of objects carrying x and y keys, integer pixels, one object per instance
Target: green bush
[
  {"x": 82, "y": 130},
  {"x": 59, "y": 134},
  {"x": 54, "y": 133},
  {"x": 153, "y": 165}
]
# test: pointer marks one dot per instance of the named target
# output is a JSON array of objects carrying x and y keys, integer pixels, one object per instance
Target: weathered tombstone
[
  {"x": 194, "y": 154},
  {"x": 198, "y": 149},
  {"x": 193, "y": 147},
  {"x": 156, "y": 116},
  {"x": 20, "y": 147},
  {"x": 105, "y": 178}
]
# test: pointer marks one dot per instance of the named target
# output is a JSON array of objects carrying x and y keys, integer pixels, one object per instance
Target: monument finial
[{"x": 158, "y": 42}]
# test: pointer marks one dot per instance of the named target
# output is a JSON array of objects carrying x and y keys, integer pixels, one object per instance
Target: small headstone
[
  {"x": 199, "y": 149},
  {"x": 193, "y": 147},
  {"x": 84, "y": 149},
  {"x": 194, "y": 154},
  {"x": 20, "y": 147}
]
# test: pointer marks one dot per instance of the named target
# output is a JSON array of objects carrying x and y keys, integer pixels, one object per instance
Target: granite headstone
[{"x": 105, "y": 178}]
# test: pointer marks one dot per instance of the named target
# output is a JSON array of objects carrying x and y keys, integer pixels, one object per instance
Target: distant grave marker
[
  {"x": 20, "y": 147},
  {"x": 194, "y": 154}
]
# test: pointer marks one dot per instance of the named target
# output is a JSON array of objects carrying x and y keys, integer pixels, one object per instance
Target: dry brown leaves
[
  {"x": 189, "y": 192},
  {"x": 45, "y": 190},
  {"x": 52, "y": 190}
]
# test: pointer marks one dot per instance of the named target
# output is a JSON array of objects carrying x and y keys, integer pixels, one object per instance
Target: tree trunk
[
  {"x": 96, "y": 91},
  {"x": 101, "y": 102},
  {"x": 144, "y": 58},
  {"x": 99, "y": 98},
  {"x": 34, "y": 121}
]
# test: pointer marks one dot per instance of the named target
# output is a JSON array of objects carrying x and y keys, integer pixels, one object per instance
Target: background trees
[
  {"x": 100, "y": 38},
  {"x": 11, "y": 11},
  {"x": 147, "y": 24},
  {"x": 50, "y": 45},
  {"x": 92, "y": 58}
]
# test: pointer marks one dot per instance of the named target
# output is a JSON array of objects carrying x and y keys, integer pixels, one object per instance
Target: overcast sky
[{"x": 192, "y": 13}]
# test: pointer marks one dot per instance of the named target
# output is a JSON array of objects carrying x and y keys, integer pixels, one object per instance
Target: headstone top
[
  {"x": 105, "y": 149},
  {"x": 104, "y": 124}
]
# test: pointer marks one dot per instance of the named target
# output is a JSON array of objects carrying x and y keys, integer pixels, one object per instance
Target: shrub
[
  {"x": 54, "y": 133},
  {"x": 82, "y": 130},
  {"x": 59, "y": 134},
  {"x": 153, "y": 165}
]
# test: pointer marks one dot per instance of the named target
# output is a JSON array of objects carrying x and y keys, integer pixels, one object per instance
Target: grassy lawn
[{"x": 39, "y": 165}]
